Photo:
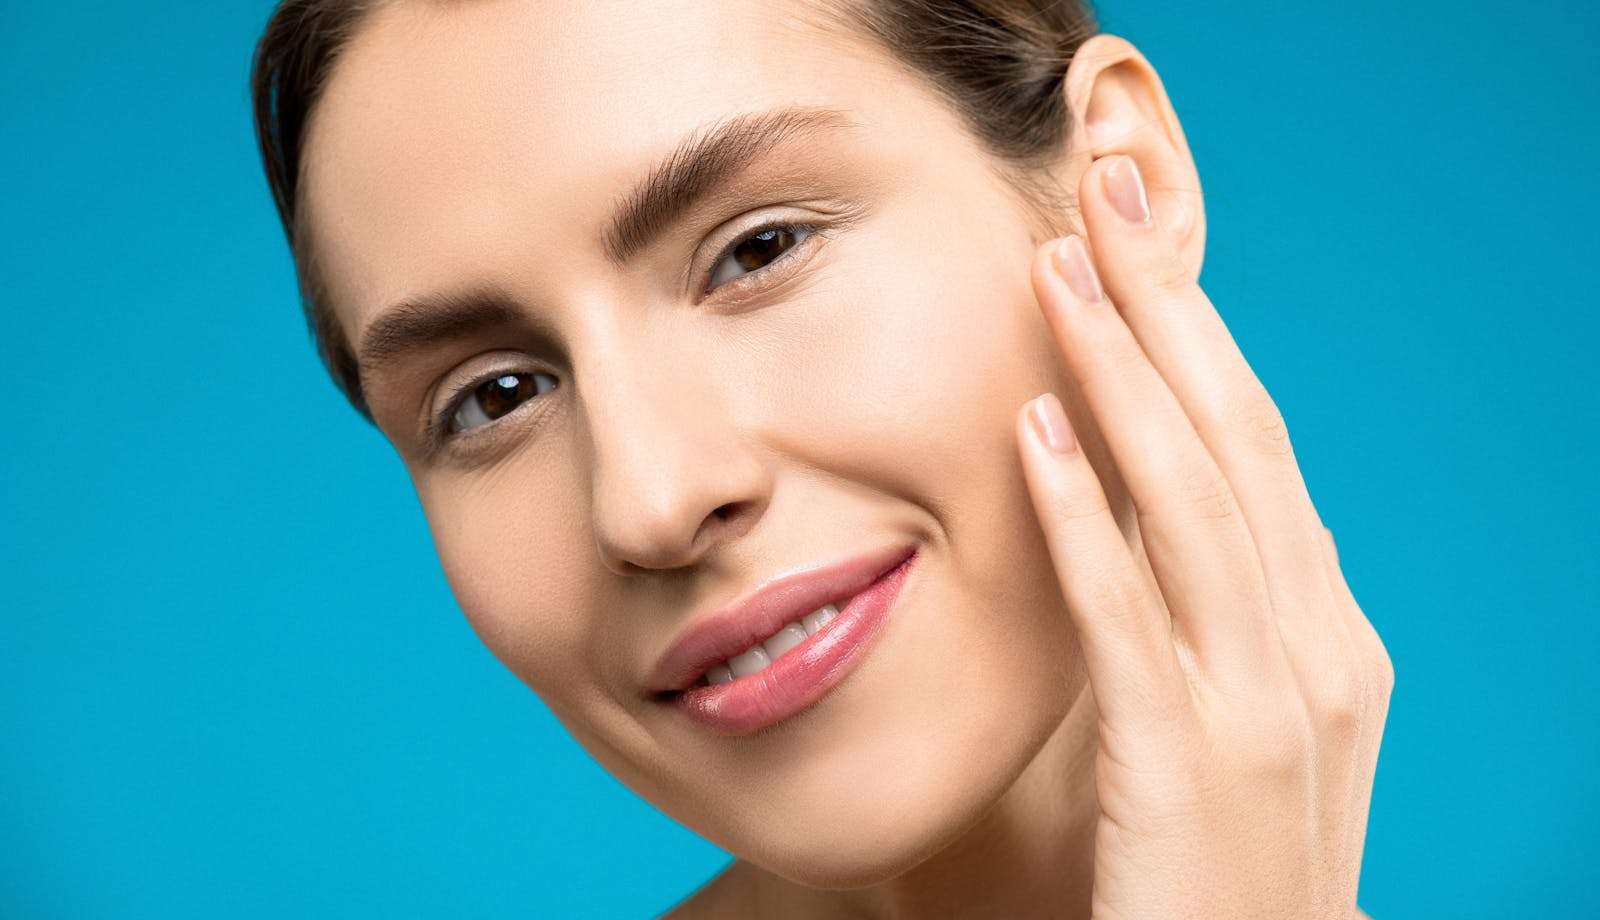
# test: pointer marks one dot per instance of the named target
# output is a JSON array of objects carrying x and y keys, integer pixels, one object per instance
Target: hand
[{"x": 1242, "y": 696}]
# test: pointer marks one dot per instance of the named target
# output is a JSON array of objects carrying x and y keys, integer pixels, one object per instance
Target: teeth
[
  {"x": 758, "y": 657},
  {"x": 753, "y": 661},
  {"x": 786, "y": 638},
  {"x": 819, "y": 618}
]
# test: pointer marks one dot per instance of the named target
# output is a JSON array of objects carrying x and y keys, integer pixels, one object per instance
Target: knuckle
[
  {"x": 1167, "y": 281},
  {"x": 1071, "y": 505},
  {"x": 1204, "y": 493},
  {"x": 1182, "y": 205},
  {"x": 1257, "y": 420},
  {"x": 1340, "y": 704},
  {"x": 1376, "y": 656},
  {"x": 1171, "y": 280},
  {"x": 1383, "y": 676},
  {"x": 1343, "y": 699},
  {"x": 1116, "y": 598}
]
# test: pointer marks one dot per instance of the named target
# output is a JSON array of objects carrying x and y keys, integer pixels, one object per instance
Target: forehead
[{"x": 453, "y": 133}]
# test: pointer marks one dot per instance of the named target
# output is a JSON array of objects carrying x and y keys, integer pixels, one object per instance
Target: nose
[{"x": 673, "y": 473}]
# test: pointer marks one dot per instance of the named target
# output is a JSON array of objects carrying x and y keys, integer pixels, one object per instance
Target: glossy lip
[
  {"x": 802, "y": 675},
  {"x": 756, "y": 616}
]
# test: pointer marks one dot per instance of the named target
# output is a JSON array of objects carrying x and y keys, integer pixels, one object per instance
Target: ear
[{"x": 1119, "y": 105}]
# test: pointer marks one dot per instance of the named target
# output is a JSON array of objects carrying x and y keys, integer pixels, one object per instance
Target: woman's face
[{"x": 683, "y": 427}]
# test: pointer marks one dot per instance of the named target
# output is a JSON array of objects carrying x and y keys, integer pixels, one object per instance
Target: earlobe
[{"x": 1120, "y": 106}]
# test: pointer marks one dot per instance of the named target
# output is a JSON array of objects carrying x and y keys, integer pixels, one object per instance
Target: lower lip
[{"x": 802, "y": 675}]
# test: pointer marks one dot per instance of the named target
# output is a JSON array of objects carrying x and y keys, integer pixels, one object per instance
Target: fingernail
[
  {"x": 1125, "y": 187},
  {"x": 1073, "y": 265},
  {"x": 1050, "y": 423}
]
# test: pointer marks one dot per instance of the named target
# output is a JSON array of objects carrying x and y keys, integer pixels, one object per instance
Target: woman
[{"x": 709, "y": 334}]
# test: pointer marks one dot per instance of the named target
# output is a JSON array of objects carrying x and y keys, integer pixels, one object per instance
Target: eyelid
[
  {"x": 821, "y": 223},
  {"x": 436, "y": 434},
  {"x": 811, "y": 229}
]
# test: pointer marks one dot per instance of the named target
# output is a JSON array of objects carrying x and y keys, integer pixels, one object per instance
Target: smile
[
  {"x": 758, "y": 657},
  {"x": 796, "y": 666}
]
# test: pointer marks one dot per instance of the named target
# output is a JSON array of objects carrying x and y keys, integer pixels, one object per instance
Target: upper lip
[{"x": 728, "y": 631}]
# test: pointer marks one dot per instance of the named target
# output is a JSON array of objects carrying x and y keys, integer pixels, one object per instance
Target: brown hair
[{"x": 999, "y": 63}]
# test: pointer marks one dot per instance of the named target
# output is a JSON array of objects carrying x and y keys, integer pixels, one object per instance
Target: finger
[
  {"x": 1361, "y": 754},
  {"x": 1171, "y": 180},
  {"x": 1199, "y": 546},
  {"x": 1370, "y": 653},
  {"x": 1186, "y": 340},
  {"x": 1125, "y": 634}
]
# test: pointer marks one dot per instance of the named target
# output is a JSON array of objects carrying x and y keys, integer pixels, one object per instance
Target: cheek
[
  {"x": 904, "y": 368},
  {"x": 894, "y": 374},
  {"x": 512, "y": 548},
  {"x": 909, "y": 385}
]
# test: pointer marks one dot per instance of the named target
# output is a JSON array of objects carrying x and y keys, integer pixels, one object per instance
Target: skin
[{"x": 1096, "y": 692}]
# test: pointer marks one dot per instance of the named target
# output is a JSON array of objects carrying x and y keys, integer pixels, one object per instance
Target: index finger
[{"x": 1185, "y": 338}]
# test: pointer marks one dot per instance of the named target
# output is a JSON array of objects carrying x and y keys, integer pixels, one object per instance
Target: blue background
[{"x": 233, "y": 681}]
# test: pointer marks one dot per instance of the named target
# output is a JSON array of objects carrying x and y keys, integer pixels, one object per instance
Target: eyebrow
[
  {"x": 706, "y": 158},
  {"x": 701, "y": 162},
  {"x": 416, "y": 323}
]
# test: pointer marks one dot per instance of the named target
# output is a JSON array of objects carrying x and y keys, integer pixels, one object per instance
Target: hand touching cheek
[{"x": 1242, "y": 699}]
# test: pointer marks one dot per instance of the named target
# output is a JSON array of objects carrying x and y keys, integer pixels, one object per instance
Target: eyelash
[
  {"x": 750, "y": 234},
  {"x": 439, "y": 434}
]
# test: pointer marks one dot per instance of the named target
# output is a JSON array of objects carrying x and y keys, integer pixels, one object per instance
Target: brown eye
[
  {"x": 497, "y": 397},
  {"x": 757, "y": 251}
]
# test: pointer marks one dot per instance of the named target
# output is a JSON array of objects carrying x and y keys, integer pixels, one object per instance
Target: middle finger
[
  {"x": 1199, "y": 545},
  {"x": 1184, "y": 338}
]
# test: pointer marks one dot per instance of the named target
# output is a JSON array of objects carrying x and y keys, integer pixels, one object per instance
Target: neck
[{"x": 1032, "y": 854}]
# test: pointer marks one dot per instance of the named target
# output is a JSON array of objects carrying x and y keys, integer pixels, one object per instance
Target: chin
[{"x": 905, "y": 761}]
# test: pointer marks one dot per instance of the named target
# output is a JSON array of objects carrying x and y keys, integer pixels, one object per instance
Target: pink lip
[
  {"x": 756, "y": 616},
  {"x": 805, "y": 673}
]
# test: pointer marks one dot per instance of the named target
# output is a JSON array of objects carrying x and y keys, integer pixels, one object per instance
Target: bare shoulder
[{"x": 726, "y": 894}]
